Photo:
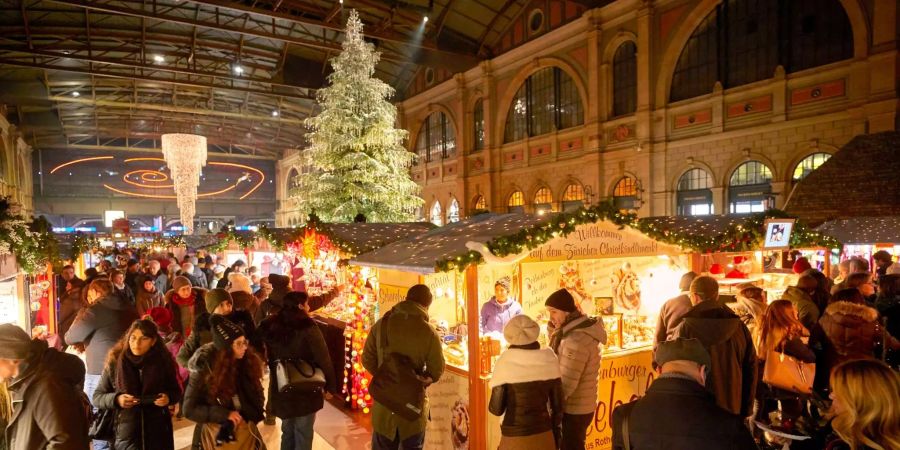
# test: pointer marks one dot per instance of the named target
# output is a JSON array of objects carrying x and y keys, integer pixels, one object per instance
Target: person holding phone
[{"x": 140, "y": 381}]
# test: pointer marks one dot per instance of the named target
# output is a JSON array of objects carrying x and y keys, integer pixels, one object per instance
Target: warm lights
[{"x": 185, "y": 154}]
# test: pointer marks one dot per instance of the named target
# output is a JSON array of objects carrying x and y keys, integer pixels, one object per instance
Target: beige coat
[{"x": 577, "y": 345}]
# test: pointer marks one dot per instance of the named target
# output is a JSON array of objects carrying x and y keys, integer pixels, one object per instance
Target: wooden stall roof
[
  {"x": 705, "y": 226},
  {"x": 860, "y": 180},
  {"x": 362, "y": 237},
  {"x": 864, "y": 230},
  {"x": 421, "y": 253}
]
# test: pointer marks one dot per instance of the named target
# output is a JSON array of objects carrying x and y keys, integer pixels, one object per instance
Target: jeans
[
  {"x": 90, "y": 385},
  {"x": 574, "y": 431},
  {"x": 414, "y": 442},
  {"x": 297, "y": 432}
]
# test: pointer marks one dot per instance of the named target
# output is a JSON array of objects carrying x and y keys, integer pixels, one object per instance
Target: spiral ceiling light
[{"x": 185, "y": 154}]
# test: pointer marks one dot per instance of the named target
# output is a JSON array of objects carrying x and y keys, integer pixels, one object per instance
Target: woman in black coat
[
  {"x": 226, "y": 385},
  {"x": 140, "y": 381},
  {"x": 292, "y": 335}
]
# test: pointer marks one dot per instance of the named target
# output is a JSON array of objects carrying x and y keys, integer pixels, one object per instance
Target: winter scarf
[
  {"x": 145, "y": 374},
  {"x": 517, "y": 365},
  {"x": 185, "y": 301}
]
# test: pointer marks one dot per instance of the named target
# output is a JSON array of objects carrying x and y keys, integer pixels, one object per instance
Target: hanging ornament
[{"x": 185, "y": 154}]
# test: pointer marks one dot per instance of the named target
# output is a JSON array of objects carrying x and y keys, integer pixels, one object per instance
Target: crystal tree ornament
[{"x": 185, "y": 154}]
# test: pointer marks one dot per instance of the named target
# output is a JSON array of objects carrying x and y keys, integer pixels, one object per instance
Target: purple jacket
[{"x": 494, "y": 315}]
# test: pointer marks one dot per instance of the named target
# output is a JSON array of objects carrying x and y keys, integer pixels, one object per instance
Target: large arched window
[
  {"x": 742, "y": 41},
  {"x": 453, "y": 211},
  {"x": 573, "y": 197},
  {"x": 694, "y": 196},
  {"x": 436, "y": 217},
  {"x": 516, "y": 203},
  {"x": 478, "y": 125},
  {"x": 437, "y": 138},
  {"x": 548, "y": 100},
  {"x": 625, "y": 79},
  {"x": 625, "y": 194},
  {"x": 543, "y": 200},
  {"x": 808, "y": 164},
  {"x": 750, "y": 188}
]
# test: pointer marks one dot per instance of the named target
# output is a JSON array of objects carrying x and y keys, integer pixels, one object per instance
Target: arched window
[
  {"x": 810, "y": 163},
  {"x": 437, "y": 217},
  {"x": 694, "y": 196},
  {"x": 293, "y": 183},
  {"x": 625, "y": 194},
  {"x": 453, "y": 211},
  {"x": 543, "y": 200},
  {"x": 625, "y": 79},
  {"x": 573, "y": 197},
  {"x": 480, "y": 203},
  {"x": 750, "y": 188},
  {"x": 516, "y": 203},
  {"x": 478, "y": 120},
  {"x": 437, "y": 138},
  {"x": 548, "y": 100},
  {"x": 742, "y": 41}
]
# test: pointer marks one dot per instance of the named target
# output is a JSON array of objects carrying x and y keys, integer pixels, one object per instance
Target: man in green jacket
[{"x": 410, "y": 334}]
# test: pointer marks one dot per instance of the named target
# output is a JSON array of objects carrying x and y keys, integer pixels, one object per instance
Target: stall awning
[
  {"x": 707, "y": 226},
  {"x": 864, "y": 230},
  {"x": 421, "y": 253},
  {"x": 360, "y": 237}
]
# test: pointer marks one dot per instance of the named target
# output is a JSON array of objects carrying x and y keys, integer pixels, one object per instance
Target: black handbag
[
  {"x": 103, "y": 425},
  {"x": 395, "y": 384},
  {"x": 297, "y": 375}
]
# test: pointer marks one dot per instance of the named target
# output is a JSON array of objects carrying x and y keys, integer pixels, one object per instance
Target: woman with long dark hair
[
  {"x": 225, "y": 390},
  {"x": 292, "y": 335},
  {"x": 140, "y": 381}
]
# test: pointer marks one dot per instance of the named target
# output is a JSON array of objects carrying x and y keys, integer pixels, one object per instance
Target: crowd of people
[
  {"x": 147, "y": 337},
  {"x": 155, "y": 343}
]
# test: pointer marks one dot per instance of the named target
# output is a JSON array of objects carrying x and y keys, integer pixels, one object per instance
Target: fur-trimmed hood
[
  {"x": 517, "y": 365},
  {"x": 202, "y": 360},
  {"x": 846, "y": 311}
]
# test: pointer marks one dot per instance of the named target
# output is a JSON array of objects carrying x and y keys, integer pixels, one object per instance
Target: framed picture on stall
[
  {"x": 778, "y": 234},
  {"x": 604, "y": 306}
]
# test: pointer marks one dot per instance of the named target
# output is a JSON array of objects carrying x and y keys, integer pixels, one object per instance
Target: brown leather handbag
[{"x": 788, "y": 373}]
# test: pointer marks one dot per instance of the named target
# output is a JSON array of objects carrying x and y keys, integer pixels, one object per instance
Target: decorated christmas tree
[{"x": 357, "y": 159}]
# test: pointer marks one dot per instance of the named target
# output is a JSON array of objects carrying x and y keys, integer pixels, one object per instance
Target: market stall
[
  {"x": 863, "y": 236},
  {"x": 618, "y": 273},
  {"x": 314, "y": 258}
]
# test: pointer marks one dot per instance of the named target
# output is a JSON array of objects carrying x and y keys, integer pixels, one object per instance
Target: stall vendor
[{"x": 499, "y": 309}]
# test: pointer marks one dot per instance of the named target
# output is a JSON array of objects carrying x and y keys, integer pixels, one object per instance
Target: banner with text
[
  {"x": 600, "y": 240},
  {"x": 623, "y": 379},
  {"x": 448, "y": 428}
]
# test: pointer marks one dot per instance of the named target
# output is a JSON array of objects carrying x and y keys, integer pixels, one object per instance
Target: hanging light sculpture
[{"x": 185, "y": 154}]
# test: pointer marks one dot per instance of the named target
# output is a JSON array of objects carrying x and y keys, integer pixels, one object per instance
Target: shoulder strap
[
  {"x": 626, "y": 435},
  {"x": 378, "y": 337}
]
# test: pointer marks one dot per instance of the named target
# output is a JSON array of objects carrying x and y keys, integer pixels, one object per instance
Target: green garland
[
  {"x": 743, "y": 236},
  {"x": 227, "y": 235},
  {"x": 32, "y": 243}
]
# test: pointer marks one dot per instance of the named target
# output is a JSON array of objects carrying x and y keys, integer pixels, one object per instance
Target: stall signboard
[
  {"x": 9, "y": 302},
  {"x": 389, "y": 295},
  {"x": 448, "y": 399},
  {"x": 600, "y": 240},
  {"x": 447, "y": 289},
  {"x": 634, "y": 285},
  {"x": 778, "y": 234},
  {"x": 623, "y": 379}
]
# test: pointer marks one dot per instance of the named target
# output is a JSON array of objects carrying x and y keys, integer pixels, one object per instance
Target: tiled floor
[{"x": 335, "y": 430}]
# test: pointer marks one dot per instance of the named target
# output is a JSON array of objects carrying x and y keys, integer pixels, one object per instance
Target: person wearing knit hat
[
  {"x": 186, "y": 303},
  {"x": 526, "y": 380},
  {"x": 15, "y": 345},
  {"x": 224, "y": 331},
  {"x": 576, "y": 339},
  {"x": 215, "y": 297},
  {"x": 801, "y": 265},
  {"x": 281, "y": 285},
  {"x": 41, "y": 383},
  {"x": 498, "y": 311},
  {"x": 238, "y": 282}
]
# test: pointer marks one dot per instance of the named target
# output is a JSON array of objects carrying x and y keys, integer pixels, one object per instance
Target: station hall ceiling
[{"x": 113, "y": 75}]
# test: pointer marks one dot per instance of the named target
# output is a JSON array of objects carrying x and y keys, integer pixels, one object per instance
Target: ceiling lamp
[{"x": 185, "y": 154}]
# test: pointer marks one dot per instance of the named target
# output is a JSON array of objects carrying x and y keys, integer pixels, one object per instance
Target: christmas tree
[{"x": 358, "y": 161}]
